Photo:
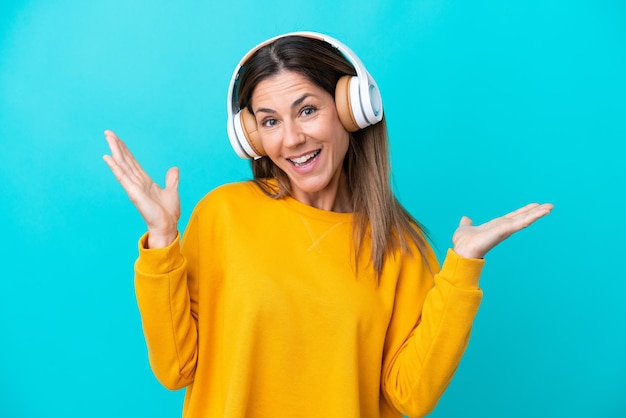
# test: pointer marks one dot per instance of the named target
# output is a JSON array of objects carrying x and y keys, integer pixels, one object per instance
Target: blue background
[{"x": 490, "y": 105}]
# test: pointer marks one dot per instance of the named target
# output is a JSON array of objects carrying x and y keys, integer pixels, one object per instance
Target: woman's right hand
[{"x": 159, "y": 207}]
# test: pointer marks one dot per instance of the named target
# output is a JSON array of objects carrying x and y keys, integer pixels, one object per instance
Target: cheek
[
  {"x": 344, "y": 143},
  {"x": 270, "y": 142},
  {"x": 334, "y": 133},
  {"x": 343, "y": 140}
]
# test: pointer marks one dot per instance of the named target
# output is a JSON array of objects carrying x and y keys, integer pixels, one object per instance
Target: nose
[{"x": 293, "y": 135}]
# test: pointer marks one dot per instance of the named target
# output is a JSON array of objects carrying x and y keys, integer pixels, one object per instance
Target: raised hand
[
  {"x": 475, "y": 241},
  {"x": 159, "y": 207}
]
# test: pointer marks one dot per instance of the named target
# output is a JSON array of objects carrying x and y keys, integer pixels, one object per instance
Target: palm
[
  {"x": 159, "y": 207},
  {"x": 475, "y": 241}
]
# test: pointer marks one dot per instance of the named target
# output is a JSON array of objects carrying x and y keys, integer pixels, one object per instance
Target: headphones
[{"x": 357, "y": 99}]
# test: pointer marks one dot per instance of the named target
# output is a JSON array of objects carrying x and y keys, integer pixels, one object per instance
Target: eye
[
  {"x": 269, "y": 122},
  {"x": 308, "y": 110}
]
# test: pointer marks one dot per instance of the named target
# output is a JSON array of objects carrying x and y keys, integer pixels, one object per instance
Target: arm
[
  {"x": 418, "y": 368},
  {"x": 167, "y": 301},
  {"x": 161, "y": 272},
  {"x": 424, "y": 347}
]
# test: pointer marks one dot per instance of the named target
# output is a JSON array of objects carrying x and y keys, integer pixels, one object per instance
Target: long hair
[{"x": 376, "y": 210}]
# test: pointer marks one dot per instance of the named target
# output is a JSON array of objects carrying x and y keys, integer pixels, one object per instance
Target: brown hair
[{"x": 377, "y": 212}]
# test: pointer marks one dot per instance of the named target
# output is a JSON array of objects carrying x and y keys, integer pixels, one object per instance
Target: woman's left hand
[{"x": 475, "y": 241}]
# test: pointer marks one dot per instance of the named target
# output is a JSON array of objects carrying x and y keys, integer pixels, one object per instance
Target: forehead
[{"x": 285, "y": 85}]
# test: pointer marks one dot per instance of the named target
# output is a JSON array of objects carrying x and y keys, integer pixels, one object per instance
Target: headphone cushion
[
  {"x": 248, "y": 122},
  {"x": 343, "y": 102}
]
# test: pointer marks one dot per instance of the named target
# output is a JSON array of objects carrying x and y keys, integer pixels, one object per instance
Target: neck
[{"x": 336, "y": 197}]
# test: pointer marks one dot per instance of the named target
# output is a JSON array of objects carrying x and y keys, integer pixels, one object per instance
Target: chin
[{"x": 313, "y": 186}]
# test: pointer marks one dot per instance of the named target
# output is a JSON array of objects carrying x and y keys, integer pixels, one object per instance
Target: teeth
[{"x": 304, "y": 158}]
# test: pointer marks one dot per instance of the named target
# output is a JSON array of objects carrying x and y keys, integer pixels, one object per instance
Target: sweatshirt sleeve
[
  {"x": 165, "y": 296},
  {"x": 424, "y": 346}
]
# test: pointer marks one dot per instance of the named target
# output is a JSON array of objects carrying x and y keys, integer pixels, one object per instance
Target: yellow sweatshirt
[{"x": 260, "y": 312}]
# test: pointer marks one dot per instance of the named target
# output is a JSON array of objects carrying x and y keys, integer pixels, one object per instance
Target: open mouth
[{"x": 306, "y": 159}]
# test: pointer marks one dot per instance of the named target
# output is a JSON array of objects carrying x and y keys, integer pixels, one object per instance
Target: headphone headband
[{"x": 369, "y": 111}]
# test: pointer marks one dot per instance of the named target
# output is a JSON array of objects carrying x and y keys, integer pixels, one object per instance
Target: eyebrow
[{"x": 295, "y": 103}]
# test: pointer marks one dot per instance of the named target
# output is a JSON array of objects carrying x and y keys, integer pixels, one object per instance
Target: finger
[
  {"x": 547, "y": 207},
  {"x": 539, "y": 212},
  {"x": 121, "y": 170},
  {"x": 535, "y": 211},
  {"x": 171, "y": 178},
  {"x": 109, "y": 133},
  {"x": 111, "y": 163},
  {"x": 465, "y": 221},
  {"x": 521, "y": 210},
  {"x": 121, "y": 175},
  {"x": 131, "y": 161},
  {"x": 112, "y": 141},
  {"x": 123, "y": 157},
  {"x": 115, "y": 168},
  {"x": 118, "y": 172},
  {"x": 117, "y": 148},
  {"x": 526, "y": 219},
  {"x": 117, "y": 163}
]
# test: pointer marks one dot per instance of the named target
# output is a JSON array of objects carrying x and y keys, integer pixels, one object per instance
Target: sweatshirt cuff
[
  {"x": 461, "y": 272},
  {"x": 158, "y": 260}
]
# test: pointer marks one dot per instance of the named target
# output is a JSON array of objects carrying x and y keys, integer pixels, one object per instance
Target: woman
[{"x": 308, "y": 291}]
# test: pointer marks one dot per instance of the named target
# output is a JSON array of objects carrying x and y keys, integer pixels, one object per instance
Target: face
[{"x": 300, "y": 130}]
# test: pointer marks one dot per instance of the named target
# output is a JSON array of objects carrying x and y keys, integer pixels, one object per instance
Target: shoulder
[
  {"x": 233, "y": 207},
  {"x": 230, "y": 195},
  {"x": 238, "y": 190}
]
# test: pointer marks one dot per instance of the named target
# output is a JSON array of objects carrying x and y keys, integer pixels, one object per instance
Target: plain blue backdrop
[{"x": 490, "y": 105}]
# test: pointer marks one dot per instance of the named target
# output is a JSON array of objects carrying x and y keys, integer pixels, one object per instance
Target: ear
[
  {"x": 344, "y": 104},
  {"x": 248, "y": 122}
]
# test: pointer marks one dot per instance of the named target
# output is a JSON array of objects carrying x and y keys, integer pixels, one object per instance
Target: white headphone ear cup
[
  {"x": 344, "y": 104},
  {"x": 371, "y": 101},
  {"x": 235, "y": 133},
  {"x": 356, "y": 104}
]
